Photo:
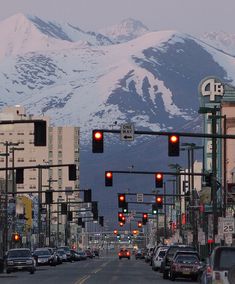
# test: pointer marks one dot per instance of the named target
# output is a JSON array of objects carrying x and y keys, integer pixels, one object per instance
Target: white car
[
  {"x": 158, "y": 257},
  {"x": 221, "y": 266}
]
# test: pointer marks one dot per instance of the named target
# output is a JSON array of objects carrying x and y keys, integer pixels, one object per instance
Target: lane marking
[{"x": 83, "y": 279}]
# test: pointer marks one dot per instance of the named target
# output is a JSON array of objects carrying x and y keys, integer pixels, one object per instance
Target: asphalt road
[{"x": 94, "y": 271}]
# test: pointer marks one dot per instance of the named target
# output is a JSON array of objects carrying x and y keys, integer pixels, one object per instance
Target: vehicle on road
[
  {"x": 158, "y": 258},
  {"x": 74, "y": 255},
  {"x": 166, "y": 263},
  {"x": 62, "y": 254},
  {"x": 67, "y": 251},
  {"x": 20, "y": 260},
  {"x": 185, "y": 266},
  {"x": 82, "y": 255},
  {"x": 220, "y": 267},
  {"x": 124, "y": 253},
  {"x": 89, "y": 254},
  {"x": 43, "y": 256},
  {"x": 139, "y": 254}
]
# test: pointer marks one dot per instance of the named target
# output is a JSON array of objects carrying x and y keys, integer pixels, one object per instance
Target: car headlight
[
  {"x": 29, "y": 261},
  {"x": 10, "y": 262}
]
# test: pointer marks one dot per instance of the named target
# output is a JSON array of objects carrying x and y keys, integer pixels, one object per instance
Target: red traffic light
[
  {"x": 159, "y": 199},
  {"x": 115, "y": 232},
  {"x": 121, "y": 224},
  {"x": 108, "y": 178},
  {"x": 159, "y": 202},
  {"x": 145, "y": 216},
  {"x": 159, "y": 176},
  {"x": 173, "y": 145},
  {"x": 174, "y": 139},
  {"x": 140, "y": 224},
  {"x": 123, "y": 218},
  {"x": 121, "y": 200},
  {"x": 16, "y": 237},
  {"x": 97, "y": 141},
  {"x": 158, "y": 180}
]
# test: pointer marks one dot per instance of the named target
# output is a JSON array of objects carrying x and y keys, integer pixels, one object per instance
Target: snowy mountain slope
[
  {"x": 151, "y": 80},
  {"x": 125, "y": 31},
  {"x": 221, "y": 40}
]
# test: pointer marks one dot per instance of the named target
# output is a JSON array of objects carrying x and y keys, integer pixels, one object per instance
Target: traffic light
[
  {"x": 49, "y": 197},
  {"x": 94, "y": 210},
  {"x": 97, "y": 141},
  {"x": 125, "y": 208},
  {"x": 40, "y": 133},
  {"x": 19, "y": 175},
  {"x": 72, "y": 172},
  {"x": 108, "y": 178},
  {"x": 173, "y": 145},
  {"x": 87, "y": 196},
  {"x": 16, "y": 237},
  {"x": 123, "y": 219},
  {"x": 154, "y": 209},
  {"x": 79, "y": 221},
  {"x": 83, "y": 225},
  {"x": 135, "y": 232},
  {"x": 101, "y": 221},
  {"x": 144, "y": 218},
  {"x": 121, "y": 224},
  {"x": 70, "y": 216},
  {"x": 63, "y": 208},
  {"x": 120, "y": 215},
  {"x": 121, "y": 200},
  {"x": 115, "y": 232},
  {"x": 159, "y": 202},
  {"x": 158, "y": 180},
  {"x": 139, "y": 224}
]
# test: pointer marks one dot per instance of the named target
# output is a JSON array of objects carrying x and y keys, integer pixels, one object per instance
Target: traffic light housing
[
  {"x": 115, "y": 232},
  {"x": 94, "y": 210},
  {"x": 19, "y": 175},
  {"x": 158, "y": 180},
  {"x": 64, "y": 208},
  {"x": 139, "y": 224},
  {"x": 154, "y": 209},
  {"x": 120, "y": 215},
  {"x": 70, "y": 216},
  {"x": 40, "y": 133},
  {"x": 144, "y": 218},
  {"x": 125, "y": 208},
  {"x": 173, "y": 145},
  {"x": 121, "y": 224},
  {"x": 79, "y": 221},
  {"x": 97, "y": 141},
  {"x": 159, "y": 202},
  {"x": 123, "y": 219},
  {"x": 72, "y": 172},
  {"x": 87, "y": 196},
  {"x": 49, "y": 197},
  {"x": 101, "y": 221},
  {"x": 208, "y": 179},
  {"x": 108, "y": 178},
  {"x": 135, "y": 232},
  {"x": 16, "y": 237},
  {"x": 121, "y": 200}
]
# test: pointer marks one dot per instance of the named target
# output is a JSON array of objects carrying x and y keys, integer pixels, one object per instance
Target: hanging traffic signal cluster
[
  {"x": 159, "y": 180},
  {"x": 159, "y": 202},
  {"x": 108, "y": 178},
  {"x": 144, "y": 218},
  {"x": 97, "y": 141},
  {"x": 173, "y": 145}
]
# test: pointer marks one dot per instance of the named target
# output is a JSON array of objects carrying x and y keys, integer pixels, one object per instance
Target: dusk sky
[{"x": 191, "y": 16}]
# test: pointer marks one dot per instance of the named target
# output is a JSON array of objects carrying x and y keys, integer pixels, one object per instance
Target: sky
[{"x": 190, "y": 16}]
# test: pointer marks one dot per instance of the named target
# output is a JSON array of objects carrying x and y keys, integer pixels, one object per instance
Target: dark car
[
  {"x": 74, "y": 255},
  {"x": 82, "y": 255},
  {"x": 139, "y": 254},
  {"x": 89, "y": 253},
  {"x": 20, "y": 260},
  {"x": 166, "y": 263},
  {"x": 68, "y": 252},
  {"x": 43, "y": 256},
  {"x": 185, "y": 266},
  {"x": 124, "y": 253}
]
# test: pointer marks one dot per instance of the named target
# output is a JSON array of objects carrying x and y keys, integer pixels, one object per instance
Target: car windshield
[
  {"x": 66, "y": 249},
  {"x": 19, "y": 253},
  {"x": 60, "y": 252},
  {"x": 227, "y": 259},
  {"x": 187, "y": 259},
  {"x": 41, "y": 252}
]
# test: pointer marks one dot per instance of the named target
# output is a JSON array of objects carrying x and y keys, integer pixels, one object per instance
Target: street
[{"x": 94, "y": 271}]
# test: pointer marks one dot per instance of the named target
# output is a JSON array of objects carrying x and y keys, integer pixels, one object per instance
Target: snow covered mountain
[
  {"x": 221, "y": 40},
  {"x": 127, "y": 30}
]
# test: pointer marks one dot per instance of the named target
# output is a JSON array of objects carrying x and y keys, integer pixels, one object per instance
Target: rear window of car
[
  {"x": 42, "y": 252},
  {"x": 19, "y": 253},
  {"x": 187, "y": 259},
  {"x": 162, "y": 253},
  {"x": 225, "y": 259}
]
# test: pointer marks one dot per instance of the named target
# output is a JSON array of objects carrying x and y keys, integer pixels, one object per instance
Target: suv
[
  {"x": 221, "y": 265},
  {"x": 20, "y": 259},
  {"x": 166, "y": 263}
]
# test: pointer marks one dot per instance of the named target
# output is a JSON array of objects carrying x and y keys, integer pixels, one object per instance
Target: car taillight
[
  {"x": 209, "y": 270},
  {"x": 217, "y": 276},
  {"x": 119, "y": 254},
  {"x": 128, "y": 253}
]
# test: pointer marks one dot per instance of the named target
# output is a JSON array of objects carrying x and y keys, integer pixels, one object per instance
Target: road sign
[
  {"x": 228, "y": 226},
  {"x": 228, "y": 239},
  {"x": 127, "y": 132},
  {"x": 140, "y": 197}
]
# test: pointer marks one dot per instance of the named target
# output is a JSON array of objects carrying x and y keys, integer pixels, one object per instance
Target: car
[
  {"x": 158, "y": 258},
  {"x": 82, "y": 255},
  {"x": 89, "y": 254},
  {"x": 220, "y": 267},
  {"x": 185, "y": 252},
  {"x": 43, "y": 256},
  {"x": 166, "y": 263},
  {"x": 62, "y": 254},
  {"x": 139, "y": 254},
  {"x": 155, "y": 252},
  {"x": 96, "y": 252},
  {"x": 185, "y": 266},
  {"x": 67, "y": 251},
  {"x": 149, "y": 254},
  {"x": 20, "y": 260},
  {"x": 124, "y": 253},
  {"x": 74, "y": 255}
]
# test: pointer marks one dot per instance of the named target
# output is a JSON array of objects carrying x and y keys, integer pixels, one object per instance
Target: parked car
[
  {"x": 43, "y": 256},
  {"x": 158, "y": 258},
  {"x": 155, "y": 252},
  {"x": 139, "y": 254},
  {"x": 220, "y": 267},
  {"x": 148, "y": 254},
  {"x": 89, "y": 254},
  {"x": 82, "y": 255},
  {"x": 74, "y": 255},
  {"x": 96, "y": 252},
  {"x": 62, "y": 254},
  {"x": 166, "y": 263},
  {"x": 124, "y": 253},
  {"x": 20, "y": 260},
  {"x": 67, "y": 251},
  {"x": 185, "y": 266}
]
